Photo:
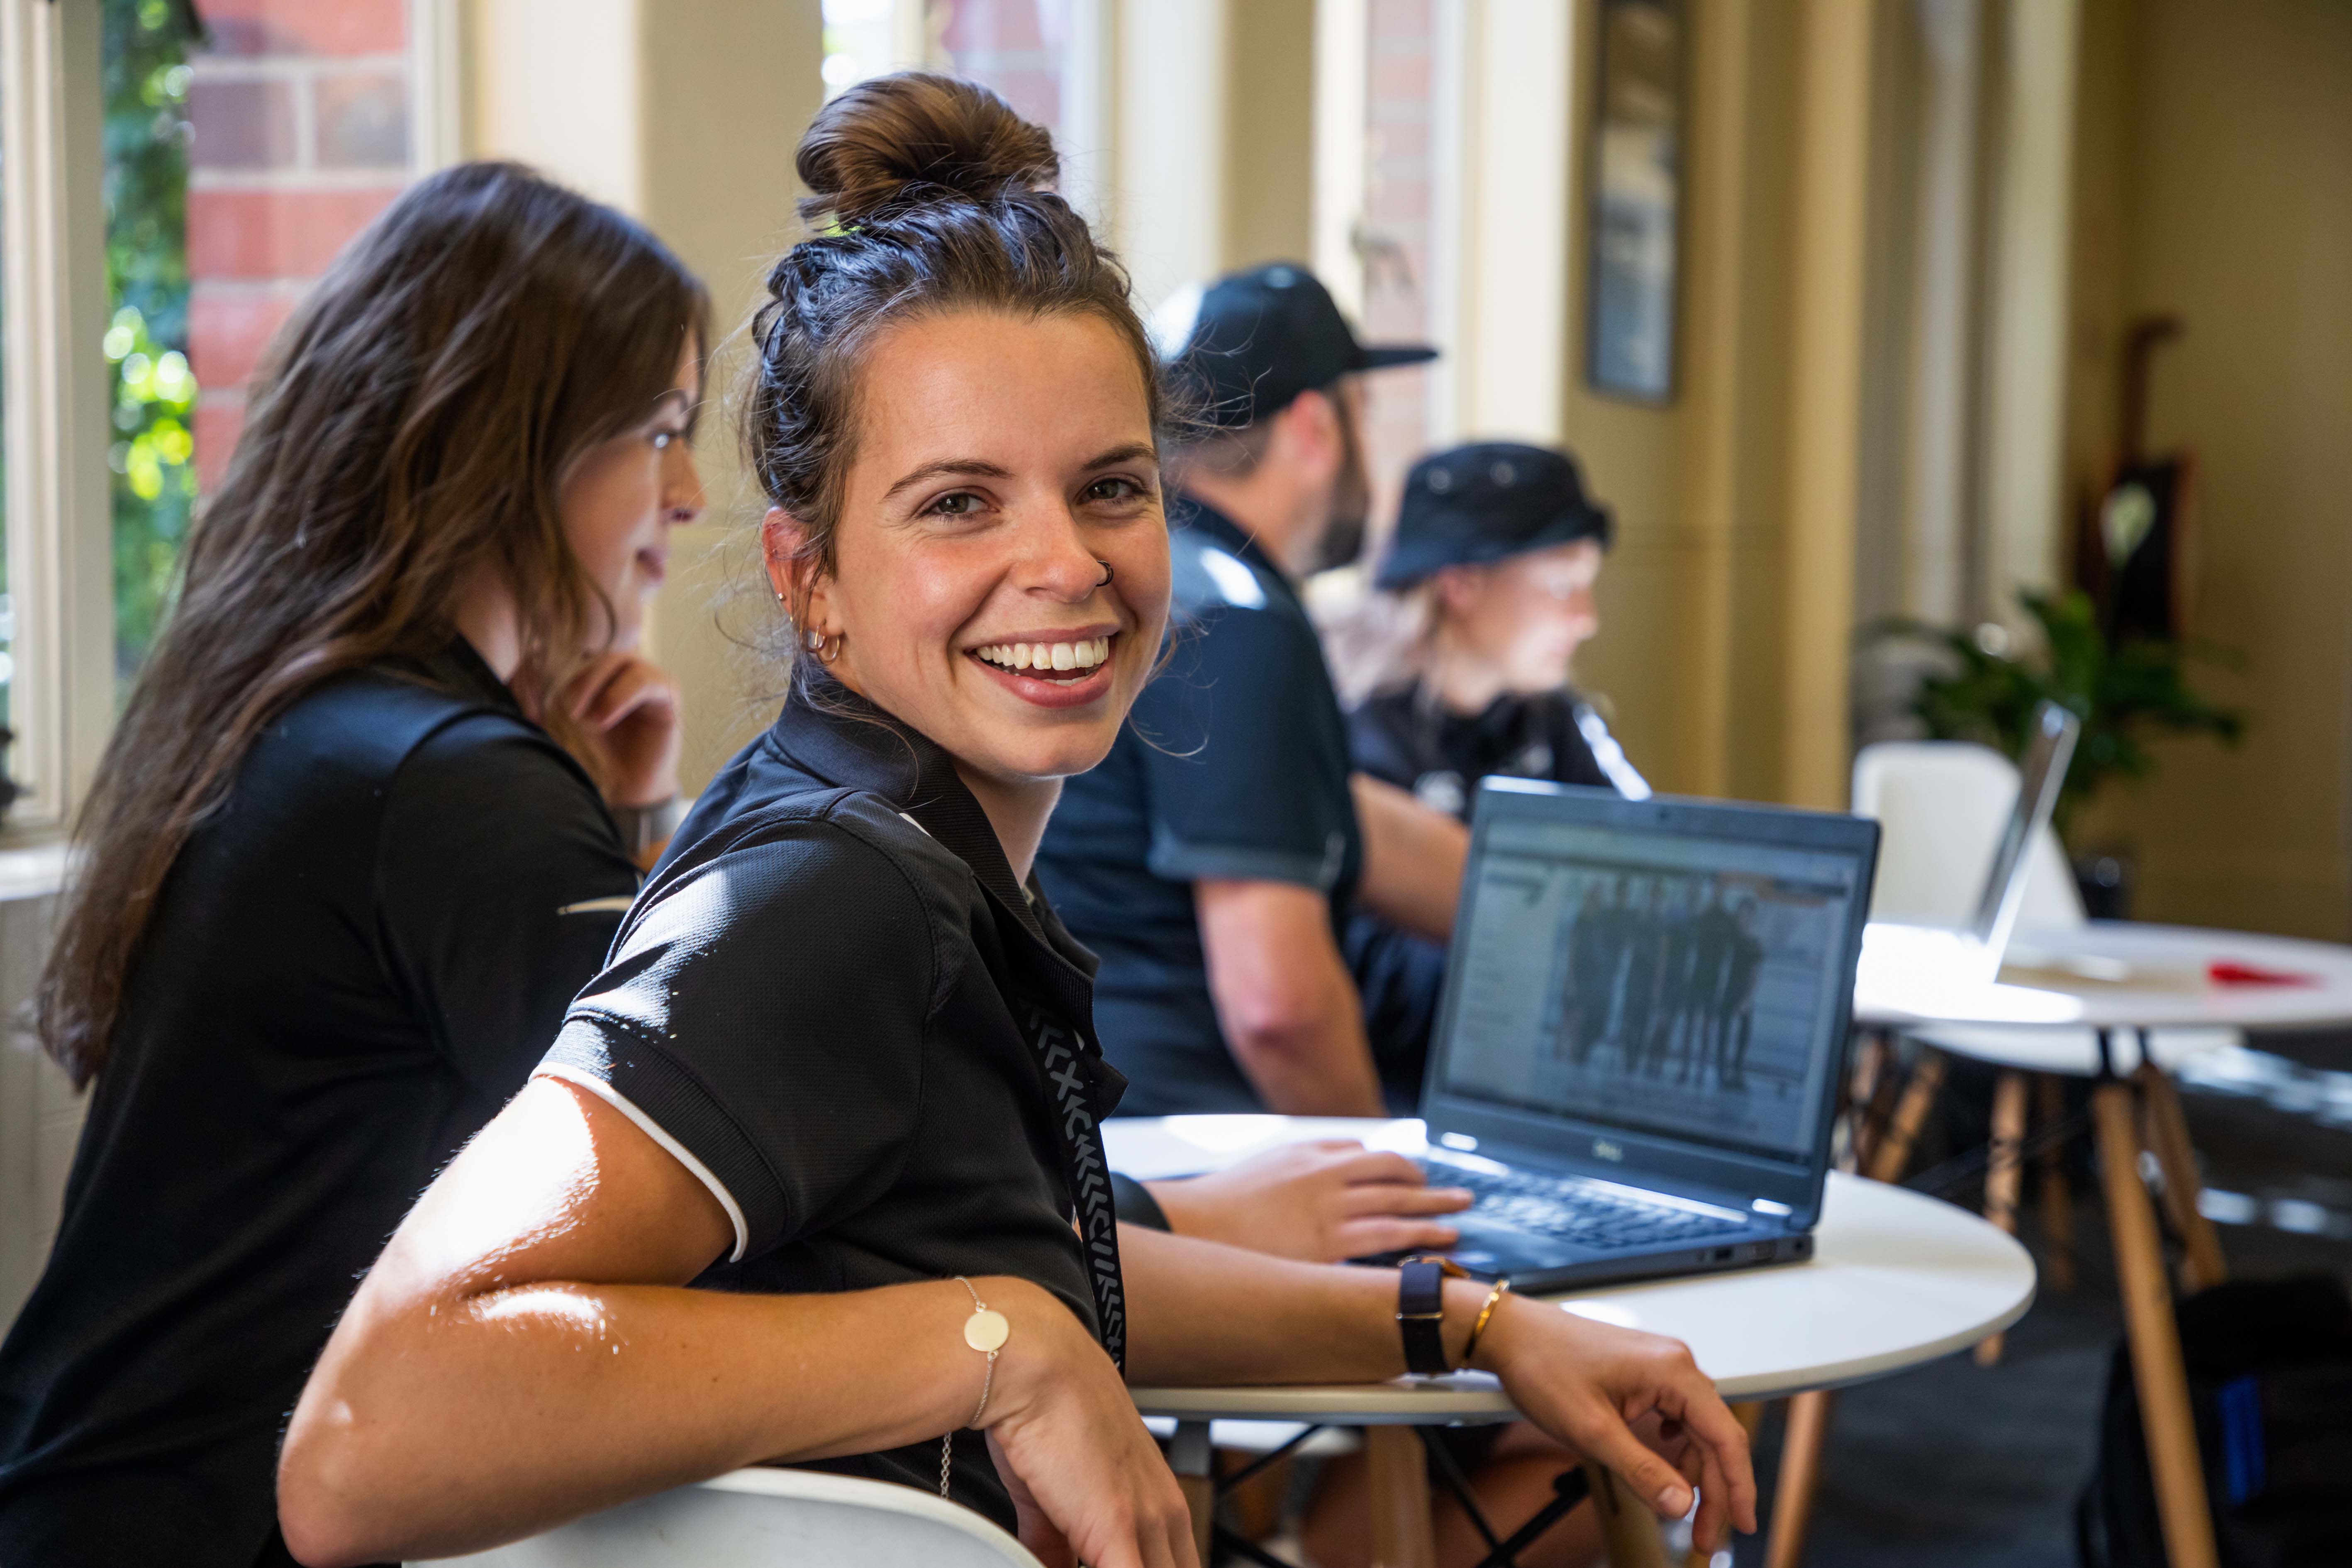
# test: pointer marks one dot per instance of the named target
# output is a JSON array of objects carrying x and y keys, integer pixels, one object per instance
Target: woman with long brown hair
[
  {"x": 812, "y": 1172},
  {"x": 366, "y": 825}
]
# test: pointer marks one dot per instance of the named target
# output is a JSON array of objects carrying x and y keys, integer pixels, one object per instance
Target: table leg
[
  {"x": 1402, "y": 1536},
  {"x": 1194, "y": 1462},
  {"x": 1865, "y": 1090},
  {"x": 2168, "y": 1129},
  {"x": 2057, "y": 1192},
  {"x": 1800, "y": 1479},
  {"x": 2154, "y": 1335},
  {"x": 1627, "y": 1525},
  {"x": 1888, "y": 1160},
  {"x": 2003, "y": 1165}
]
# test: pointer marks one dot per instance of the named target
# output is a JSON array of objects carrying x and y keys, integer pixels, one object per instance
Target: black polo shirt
[
  {"x": 1234, "y": 765},
  {"x": 826, "y": 1004},
  {"x": 354, "y": 962},
  {"x": 1402, "y": 736}
]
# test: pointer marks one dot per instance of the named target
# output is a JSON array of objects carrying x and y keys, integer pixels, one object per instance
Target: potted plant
[{"x": 2123, "y": 689}]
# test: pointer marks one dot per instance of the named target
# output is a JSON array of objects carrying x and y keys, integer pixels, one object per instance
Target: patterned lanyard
[{"x": 1084, "y": 1168}]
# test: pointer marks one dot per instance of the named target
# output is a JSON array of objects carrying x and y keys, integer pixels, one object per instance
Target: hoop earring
[
  {"x": 1106, "y": 571},
  {"x": 826, "y": 649}
]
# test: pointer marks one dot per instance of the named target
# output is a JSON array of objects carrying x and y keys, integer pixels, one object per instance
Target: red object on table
[{"x": 2223, "y": 972}]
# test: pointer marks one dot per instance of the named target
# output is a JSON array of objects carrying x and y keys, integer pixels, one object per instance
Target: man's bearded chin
[{"x": 1342, "y": 538}]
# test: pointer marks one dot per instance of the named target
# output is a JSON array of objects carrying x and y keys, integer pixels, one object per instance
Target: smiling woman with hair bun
[{"x": 813, "y": 1173}]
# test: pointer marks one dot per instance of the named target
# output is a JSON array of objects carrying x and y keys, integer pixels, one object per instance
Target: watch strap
[
  {"x": 644, "y": 828},
  {"x": 1421, "y": 1313}
]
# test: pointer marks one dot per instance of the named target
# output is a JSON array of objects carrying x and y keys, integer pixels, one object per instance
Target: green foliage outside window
[{"x": 154, "y": 395}]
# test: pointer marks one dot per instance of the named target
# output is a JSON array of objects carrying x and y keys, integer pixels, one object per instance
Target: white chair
[
  {"x": 1941, "y": 805},
  {"x": 771, "y": 1519}
]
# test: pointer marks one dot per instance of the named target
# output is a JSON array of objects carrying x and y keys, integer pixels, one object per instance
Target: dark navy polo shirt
[
  {"x": 1234, "y": 765},
  {"x": 355, "y": 961},
  {"x": 816, "y": 1005}
]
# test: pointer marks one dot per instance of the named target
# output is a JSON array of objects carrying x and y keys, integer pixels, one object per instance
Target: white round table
[
  {"x": 1895, "y": 1280},
  {"x": 2115, "y": 975}
]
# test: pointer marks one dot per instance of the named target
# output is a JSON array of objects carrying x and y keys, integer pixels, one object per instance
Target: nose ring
[{"x": 1106, "y": 573}]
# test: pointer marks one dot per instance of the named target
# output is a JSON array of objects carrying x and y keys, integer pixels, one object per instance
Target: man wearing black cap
[
  {"x": 1213, "y": 858},
  {"x": 1497, "y": 549}
]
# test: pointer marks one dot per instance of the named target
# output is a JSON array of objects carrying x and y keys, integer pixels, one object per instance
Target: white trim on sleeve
[{"x": 653, "y": 1130}]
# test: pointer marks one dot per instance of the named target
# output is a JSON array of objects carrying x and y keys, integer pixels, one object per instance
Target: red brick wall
[
  {"x": 1397, "y": 208},
  {"x": 300, "y": 113}
]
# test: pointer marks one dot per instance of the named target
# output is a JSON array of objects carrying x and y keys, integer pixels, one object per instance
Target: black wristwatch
[{"x": 1421, "y": 1313}]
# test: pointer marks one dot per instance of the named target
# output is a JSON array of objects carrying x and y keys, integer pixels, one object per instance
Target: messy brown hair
[{"x": 410, "y": 430}]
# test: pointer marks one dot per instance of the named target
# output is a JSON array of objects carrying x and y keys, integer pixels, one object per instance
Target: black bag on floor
[{"x": 2270, "y": 1382}]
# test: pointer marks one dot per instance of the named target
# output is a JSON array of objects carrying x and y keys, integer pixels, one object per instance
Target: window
[
  {"x": 152, "y": 392},
  {"x": 1044, "y": 56},
  {"x": 238, "y": 155},
  {"x": 8, "y": 610},
  {"x": 1392, "y": 239}
]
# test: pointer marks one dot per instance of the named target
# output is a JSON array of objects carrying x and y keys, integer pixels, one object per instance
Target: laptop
[
  {"x": 1643, "y": 1032},
  {"x": 1973, "y": 955}
]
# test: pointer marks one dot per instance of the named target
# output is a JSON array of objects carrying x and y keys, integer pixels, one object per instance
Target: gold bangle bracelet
[{"x": 1485, "y": 1312}]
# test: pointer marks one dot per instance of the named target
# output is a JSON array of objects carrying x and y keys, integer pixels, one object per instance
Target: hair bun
[{"x": 895, "y": 140}]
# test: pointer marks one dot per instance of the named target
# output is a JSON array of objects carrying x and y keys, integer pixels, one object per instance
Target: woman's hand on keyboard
[
  {"x": 1319, "y": 1202},
  {"x": 1635, "y": 1401}
]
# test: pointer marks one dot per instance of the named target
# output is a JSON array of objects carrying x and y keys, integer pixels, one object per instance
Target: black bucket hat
[
  {"x": 1475, "y": 505},
  {"x": 1243, "y": 347}
]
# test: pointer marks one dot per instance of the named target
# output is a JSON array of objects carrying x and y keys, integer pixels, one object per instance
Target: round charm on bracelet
[{"x": 986, "y": 1331}]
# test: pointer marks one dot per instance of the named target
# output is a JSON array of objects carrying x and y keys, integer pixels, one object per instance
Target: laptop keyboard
[{"x": 1575, "y": 1211}]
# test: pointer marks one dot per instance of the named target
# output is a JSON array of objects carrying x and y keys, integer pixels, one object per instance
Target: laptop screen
[{"x": 1673, "y": 984}]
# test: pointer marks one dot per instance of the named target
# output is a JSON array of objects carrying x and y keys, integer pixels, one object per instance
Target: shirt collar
[
  {"x": 1206, "y": 519},
  {"x": 461, "y": 668},
  {"x": 833, "y": 732}
]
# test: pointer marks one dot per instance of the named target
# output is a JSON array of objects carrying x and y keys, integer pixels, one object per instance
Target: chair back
[
  {"x": 1941, "y": 805},
  {"x": 770, "y": 1518}
]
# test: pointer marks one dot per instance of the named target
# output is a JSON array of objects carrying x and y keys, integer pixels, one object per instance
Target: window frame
[{"x": 60, "y": 531}]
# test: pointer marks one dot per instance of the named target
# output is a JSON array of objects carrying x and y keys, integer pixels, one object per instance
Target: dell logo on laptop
[{"x": 1605, "y": 1150}]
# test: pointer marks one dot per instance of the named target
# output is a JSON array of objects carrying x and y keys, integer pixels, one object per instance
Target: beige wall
[
  {"x": 1728, "y": 603},
  {"x": 2218, "y": 184},
  {"x": 683, "y": 114}
]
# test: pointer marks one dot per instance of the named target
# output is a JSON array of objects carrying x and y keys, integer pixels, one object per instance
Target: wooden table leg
[
  {"x": 2057, "y": 1192},
  {"x": 1887, "y": 1162},
  {"x": 1194, "y": 1462},
  {"x": 2003, "y": 1165},
  {"x": 1627, "y": 1526},
  {"x": 2168, "y": 1128},
  {"x": 2154, "y": 1335},
  {"x": 1800, "y": 1479},
  {"x": 1398, "y": 1473}
]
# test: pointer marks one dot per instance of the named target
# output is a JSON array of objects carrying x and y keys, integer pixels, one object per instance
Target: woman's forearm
[
  {"x": 431, "y": 1431},
  {"x": 1200, "y": 1312}
]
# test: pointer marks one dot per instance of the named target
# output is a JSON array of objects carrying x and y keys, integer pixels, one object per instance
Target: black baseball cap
[
  {"x": 1243, "y": 347},
  {"x": 1474, "y": 505}
]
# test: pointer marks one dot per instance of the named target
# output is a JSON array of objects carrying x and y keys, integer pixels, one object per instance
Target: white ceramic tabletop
[
  {"x": 1896, "y": 1279},
  {"x": 2123, "y": 976}
]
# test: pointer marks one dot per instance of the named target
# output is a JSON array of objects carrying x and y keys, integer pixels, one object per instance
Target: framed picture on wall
[{"x": 1637, "y": 152}]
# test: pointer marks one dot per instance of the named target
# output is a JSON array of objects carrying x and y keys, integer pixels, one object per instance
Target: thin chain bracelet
[{"x": 985, "y": 1331}]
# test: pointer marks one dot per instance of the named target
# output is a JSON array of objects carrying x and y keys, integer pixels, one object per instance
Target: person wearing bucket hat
[
  {"x": 1213, "y": 857},
  {"x": 1489, "y": 579}
]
